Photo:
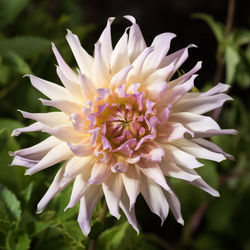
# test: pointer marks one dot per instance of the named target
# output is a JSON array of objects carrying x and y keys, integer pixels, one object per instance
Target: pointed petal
[
  {"x": 100, "y": 172},
  {"x": 112, "y": 189},
  {"x": 136, "y": 43},
  {"x": 63, "y": 65},
  {"x": 120, "y": 77},
  {"x": 161, "y": 44},
  {"x": 131, "y": 181},
  {"x": 180, "y": 157},
  {"x": 39, "y": 150},
  {"x": 195, "y": 123},
  {"x": 119, "y": 58},
  {"x": 50, "y": 119},
  {"x": 87, "y": 86},
  {"x": 37, "y": 126},
  {"x": 198, "y": 151},
  {"x": 154, "y": 197},
  {"x": 88, "y": 202},
  {"x": 99, "y": 71},
  {"x": 130, "y": 213},
  {"x": 79, "y": 187},
  {"x": 57, "y": 154},
  {"x": 174, "y": 205},
  {"x": 153, "y": 171},
  {"x": 81, "y": 149},
  {"x": 106, "y": 42},
  {"x": 68, "y": 107},
  {"x": 49, "y": 89},
  {"x": 84, "y": 60},
  {"x": 54, "y": 188}
]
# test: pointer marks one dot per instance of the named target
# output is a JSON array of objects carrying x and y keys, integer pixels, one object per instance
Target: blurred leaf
[
  {"x": 11, "y": 203},
  {"x": 232, "y": 60},
  {"x": 3, "y": 138},
  {"x": 10, "y": 123},
  {"x": 9, "y": 9},
  {"x": 26, "y": 193},
  {"x": 24, "y": 46},
  {"x": 23, "y": 242},
  {"x": 4, "y": 73},
  {"x": 243, "y": 37},
  {"x": 216, "y": 27},
  {"x": 17, "y": 62}
]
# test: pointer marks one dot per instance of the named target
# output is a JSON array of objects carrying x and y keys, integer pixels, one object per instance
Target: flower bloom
[{"x": 124, "y": 126}]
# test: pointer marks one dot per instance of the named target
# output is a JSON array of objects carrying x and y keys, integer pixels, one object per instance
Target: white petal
[
  {"x": 219, "y": 88},
  {"x": 68, "y": 107},
  {"x": 88, "y": 202},
  {"x": 87, "y": 86},
  {"x": 172, "y": 131},
  {"x": 50, "y": 119},
  {"x": 171, "y": 96},
  {"x": 112, "y": 189},
  {"x": 119, "y": 58},
  {"x": 130, "y": 213},
  {"x": 196, "y": 123},
  {"x": 77, "y": 165},
  {"x": 161, "y": 74},
  {"x": 65, "y": 133},
  {"x": 82, "y": 148},
  {"x": 100, "y": 172},
  {"x": 63, "y": 65},
  {"x": 71, "y": 85},
  {"x": 213, "y": 147},
  {"x": 51, "y": 90},
  {"x": 180, "y": 157},
  {"x": 131, "y": 181},
  {"x": 136, "y": 43},
  {"x": 79, "y": 187},
  {"x": 106, "y": 41},
  {"x": 172, "y": 170},
  {"x": 214, "y": 132},
  {"x": 181, "y": 56},
  {"x": 24, "y": 162},
  {"x": 186, "y": 76},
  {"x": 54, "y": 188},
  {"x": 100, "y": 71},
  {"x": 161, "y": 44},
  {"x": 120, "y": 77},
  {"x": 57, "y": 154},
  {"x": 135, "y": 75},
  {"x": 153, "y": 171},
  {"x": 197, "y": 150},
  {"x": 84, "y": 60},
  {"x": 154, "y": 197},
  {"x": 156, "y": 90},
  {"x": 37, "y": 126},
  {"x": 174, "y": 205},
  {"x": 200, "y": 105},
  {"x": 39, "y": 150}
]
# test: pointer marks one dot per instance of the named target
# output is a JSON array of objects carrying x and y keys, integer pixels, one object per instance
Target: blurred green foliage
[{"x": 26, "y": 29}]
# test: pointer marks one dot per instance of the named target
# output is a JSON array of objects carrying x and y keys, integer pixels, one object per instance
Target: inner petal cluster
[{"x": 122, "y": 122}]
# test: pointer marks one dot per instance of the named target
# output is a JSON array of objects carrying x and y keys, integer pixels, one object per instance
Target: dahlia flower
[{"x": 125, "y": 125}]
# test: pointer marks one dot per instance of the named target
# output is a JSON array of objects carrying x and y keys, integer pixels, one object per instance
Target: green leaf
[
  {"x": 72, "y": 233},
  {"x": 25, "y": 46},
  {"x": 23, "y": 242},
  {"x": 118, "y": 237},
  {"x": 216, "y": 27},
  {"x": 11, "y": 203},
  {"x": 232, "y": 59},
  {"x": 9, "y": 10},
  {"x": 242, "y": 37},
  {"x": 4, "y": 73}
]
